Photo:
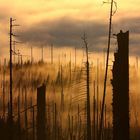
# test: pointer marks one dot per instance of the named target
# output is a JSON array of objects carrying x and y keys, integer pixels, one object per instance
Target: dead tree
[
  {"x": 26, "y": 115},
  {"x": 51, "y": 53},
  {"x": 94, "y": 113},
  {"x": 41, "y": 121},
  {"x": 120, "y": 84},
  {"x": 62, "y": 90},
  {"x": 84, "y": 38},
  {"x": 106, "y": 69},
  {"x": 4, "y": 71},
  {"x": 97, "y": 104}
]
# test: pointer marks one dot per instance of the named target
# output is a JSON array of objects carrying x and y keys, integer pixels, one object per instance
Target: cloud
[{"x": 67, "y": 32}]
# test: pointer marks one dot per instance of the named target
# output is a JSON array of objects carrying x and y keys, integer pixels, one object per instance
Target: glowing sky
[{"x": 62, "y": 22}]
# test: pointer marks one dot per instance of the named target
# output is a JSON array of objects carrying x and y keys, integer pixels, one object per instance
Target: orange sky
[{"x": 31, "y": 13}]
